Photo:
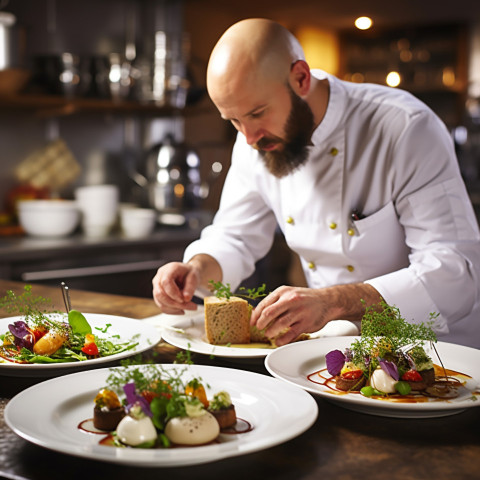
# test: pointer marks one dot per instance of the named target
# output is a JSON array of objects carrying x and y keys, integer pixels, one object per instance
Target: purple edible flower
[
  {"x": 390, "y": 368},
  {"x": 335, "y": 362},
  {"x": 133, "y": 398},
  {"x": 23, "y": 337},
  {"x": 348, "y": 355}
]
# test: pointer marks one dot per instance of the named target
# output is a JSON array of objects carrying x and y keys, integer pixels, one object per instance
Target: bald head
[{"x": 252, "y": 50}]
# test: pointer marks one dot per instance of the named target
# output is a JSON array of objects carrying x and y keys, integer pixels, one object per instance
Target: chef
[{"x": 362, "y": 180}]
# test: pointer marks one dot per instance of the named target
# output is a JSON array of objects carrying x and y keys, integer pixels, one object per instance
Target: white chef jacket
[{"x": 382, "y": 152}]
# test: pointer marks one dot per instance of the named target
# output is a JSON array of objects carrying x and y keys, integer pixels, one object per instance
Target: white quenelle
[
  {"x": 136, "y": 431},
  {"x": 382, "y": 381},
  {"x": 192, "y": 430}
]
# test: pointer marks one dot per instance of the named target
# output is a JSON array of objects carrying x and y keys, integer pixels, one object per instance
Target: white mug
[{"x": 99, "y": 207}]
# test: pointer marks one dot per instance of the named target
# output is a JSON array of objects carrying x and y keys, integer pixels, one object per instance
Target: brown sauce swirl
[
  {"x": 242, "y": 426},
  {"x": 445, "y": 380}
]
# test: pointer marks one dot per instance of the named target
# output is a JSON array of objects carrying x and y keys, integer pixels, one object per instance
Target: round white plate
[
  {"x": 265, "y": 402},
  {"x": 293, "y": 363},
  {"x": 126, "y": 328},
  {"x": 189, "y": 334}
]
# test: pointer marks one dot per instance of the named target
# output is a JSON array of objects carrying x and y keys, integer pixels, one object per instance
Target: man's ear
[{"x": 300, "y": 77}]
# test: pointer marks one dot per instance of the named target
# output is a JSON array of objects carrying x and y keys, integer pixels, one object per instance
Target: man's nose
[{"x": 252, "y": 134}]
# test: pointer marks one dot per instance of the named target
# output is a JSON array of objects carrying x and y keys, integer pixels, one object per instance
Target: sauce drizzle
[{"x": 453, "y": 379}]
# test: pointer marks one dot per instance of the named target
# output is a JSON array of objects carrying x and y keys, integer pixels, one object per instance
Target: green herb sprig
[
  {"x": 384, "y": 330},
  {"x": 222, "y": 290},
  {"x": 33, "y": 308}
]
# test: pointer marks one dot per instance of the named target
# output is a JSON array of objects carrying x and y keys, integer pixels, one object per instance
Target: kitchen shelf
[
  {"x": 431, "y": 61},
  {"x": 54, "y": 106}
]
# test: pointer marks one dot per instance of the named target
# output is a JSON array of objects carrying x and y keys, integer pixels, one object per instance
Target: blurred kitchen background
[{"x": 99, "y": 91}]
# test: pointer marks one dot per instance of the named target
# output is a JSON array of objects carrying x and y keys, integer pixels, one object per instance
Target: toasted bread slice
[{"x": 227, "y": 320}]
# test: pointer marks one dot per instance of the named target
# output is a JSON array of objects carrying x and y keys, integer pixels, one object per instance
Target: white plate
[
  {"x": 294, "y": 362},
  {"x": 194, "y": 338},
  {"x": 265, "y": 402},
  {"x": 126, "y": 328},
  {"x": 190, "y": 335}
]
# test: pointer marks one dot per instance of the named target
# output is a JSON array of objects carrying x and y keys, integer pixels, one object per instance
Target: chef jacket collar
[{"x": 335, "y": 108}]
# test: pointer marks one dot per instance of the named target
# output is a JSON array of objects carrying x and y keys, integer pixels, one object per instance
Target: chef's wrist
[
  {"x": 206, "y": 269},
  {"x": 349, "y": 301}
]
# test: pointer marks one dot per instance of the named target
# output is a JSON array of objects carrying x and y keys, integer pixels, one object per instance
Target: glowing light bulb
[
  {"x": 393, "y": 79},
  {"x": 363, "y": 23}
]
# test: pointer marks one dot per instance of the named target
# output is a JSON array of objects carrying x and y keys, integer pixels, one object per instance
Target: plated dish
[
  {"x": 297, "y": 363},
  {"x": 264, "y": 402},
  {"x": 189, "y": 334},
  {"x": 121, "y": 328}
]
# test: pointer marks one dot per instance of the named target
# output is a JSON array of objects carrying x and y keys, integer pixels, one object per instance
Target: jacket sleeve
[
  {"x": 243, "y": 229},
  {"x": 440, "y": 227}
]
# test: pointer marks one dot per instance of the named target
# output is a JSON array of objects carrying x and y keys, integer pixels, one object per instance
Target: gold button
[
  {"x": 333, "y": 225},
  {"x": 351, "y": 232},
  {"x": 290, "y": 220},
  {"x": 311, "y": 265},
  {"x": 350, "y": 268},
  {"x": 334, "y": 151}
]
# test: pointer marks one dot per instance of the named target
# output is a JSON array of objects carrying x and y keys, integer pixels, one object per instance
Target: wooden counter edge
[{"x": 85, "y": 301}]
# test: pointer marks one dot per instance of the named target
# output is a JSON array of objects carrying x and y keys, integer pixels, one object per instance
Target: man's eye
[{"x": 257, "y": 114}]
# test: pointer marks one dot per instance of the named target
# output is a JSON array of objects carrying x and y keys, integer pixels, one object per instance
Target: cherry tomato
[
  {"x": 352, "y": 374},
  {"x": 412, "y": 376},
  {"x": 38, "y": 333},
  {"x": 90, "y": 349}
]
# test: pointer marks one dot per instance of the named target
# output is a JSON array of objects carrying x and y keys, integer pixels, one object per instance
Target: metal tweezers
[{"x": 66, "y": 296}]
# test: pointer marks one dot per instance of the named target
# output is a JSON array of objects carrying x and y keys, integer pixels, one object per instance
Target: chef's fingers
[
  {"x": 270, "y": 309},
  {"x": 278, "y": 324},
  {"x": 260, "y": 308},
  {"x": 166, "y": 291},
  {"x": 170, "y": 306},
  {"x": 289, "y": 336},
  {"x": 190, "y": 285}
]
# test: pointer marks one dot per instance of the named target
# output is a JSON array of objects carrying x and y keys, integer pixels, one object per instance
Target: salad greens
[{"x": 72, "y": 332}]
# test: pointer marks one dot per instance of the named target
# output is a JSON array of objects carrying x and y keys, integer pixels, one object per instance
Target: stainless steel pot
[{"x": 170, "y": 177}]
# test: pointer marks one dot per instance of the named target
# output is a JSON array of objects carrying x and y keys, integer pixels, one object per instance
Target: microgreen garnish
[
  {"x": 165, "y": 386},
  {"x": 104, "y": 330},
  {"x": 33, "y": 308},
  {"x": 222, "y": 290},
  {"x": 184, "y": 356},
  {"x": 384, "y": 331}
]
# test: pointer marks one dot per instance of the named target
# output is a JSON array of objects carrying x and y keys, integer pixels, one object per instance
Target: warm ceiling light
[
  {"x": 363, "y": 23},
  {"x": 393, "y": 79}
]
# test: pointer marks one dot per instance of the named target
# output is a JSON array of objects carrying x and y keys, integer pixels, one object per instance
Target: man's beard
[{"x": 298, "y": 130}]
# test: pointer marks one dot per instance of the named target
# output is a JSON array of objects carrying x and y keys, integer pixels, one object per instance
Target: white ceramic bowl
[
  {"x": 137, "y": 222},
  {"x": 48, "y": 218}
]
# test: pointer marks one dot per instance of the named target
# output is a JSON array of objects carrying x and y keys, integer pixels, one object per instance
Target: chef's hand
[
  {"x": 288, "y": 312},
  {"x": 174, "y": 286},
  {"x": 175, "y": 283}
]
